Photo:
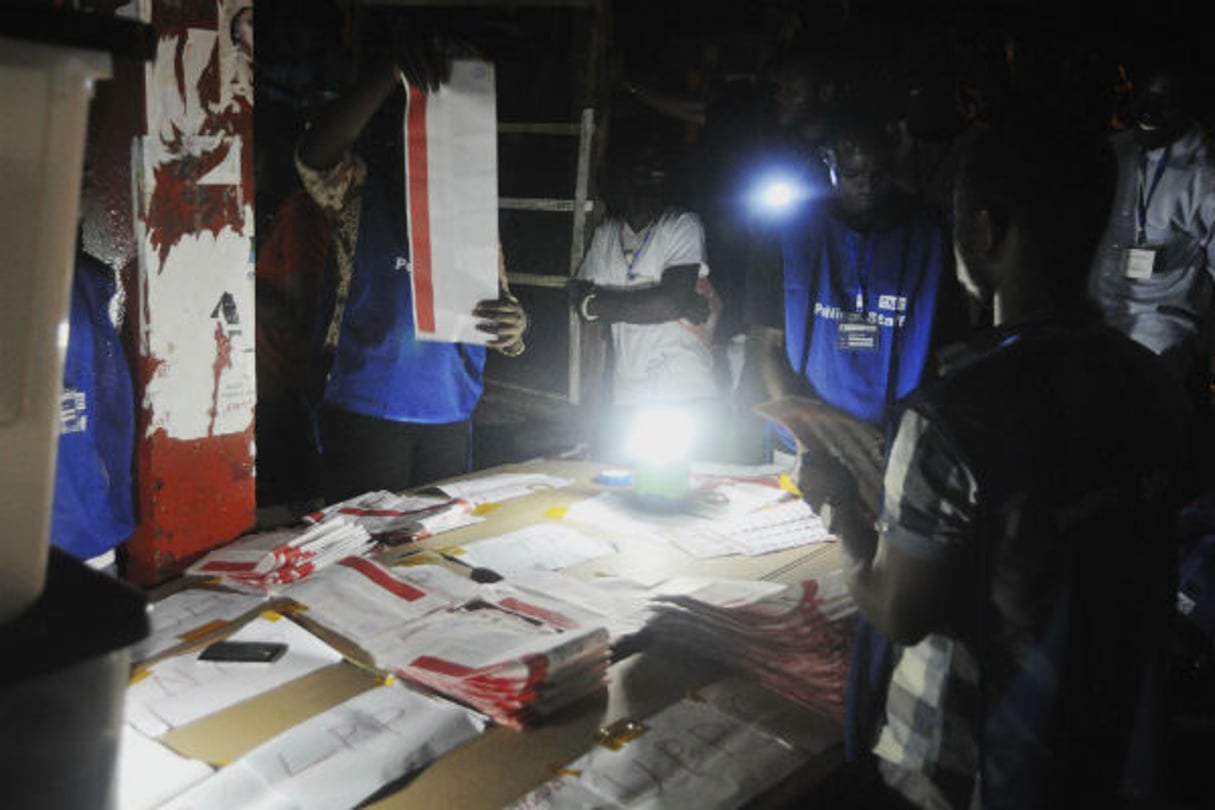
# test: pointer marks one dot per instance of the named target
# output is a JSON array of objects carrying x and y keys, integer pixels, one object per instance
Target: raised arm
[{"x": 335, "y": 131}]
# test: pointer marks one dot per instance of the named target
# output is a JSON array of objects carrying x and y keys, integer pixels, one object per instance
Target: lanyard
[
  {"x": 630, "y": 257},
  {"x": 861, "y": 264},
  {"x": 1144, "y": 202}
]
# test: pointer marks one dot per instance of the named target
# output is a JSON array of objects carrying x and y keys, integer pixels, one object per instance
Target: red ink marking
[
  {"x": 383, "y": 579},
  {"x": 419, "y": 213}
]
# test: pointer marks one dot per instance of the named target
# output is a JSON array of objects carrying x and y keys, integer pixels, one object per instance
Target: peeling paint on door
[{"x": 194, "y": 221}]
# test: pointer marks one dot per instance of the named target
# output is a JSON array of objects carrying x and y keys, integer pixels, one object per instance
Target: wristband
[{"x": 583, "y": 308}]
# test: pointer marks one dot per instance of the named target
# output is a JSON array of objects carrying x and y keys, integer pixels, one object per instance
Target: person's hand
[
  {"x": 821, "y": 479},
  {"x": 680, "y": 296},
  {"x": 421, "y": 54},
  {"x": 505, "y": 319}
]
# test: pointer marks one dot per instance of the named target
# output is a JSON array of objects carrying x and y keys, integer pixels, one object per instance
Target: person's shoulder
[
  {"x": 678, "y": 217},
  {"x": 1194, "y": 148}
]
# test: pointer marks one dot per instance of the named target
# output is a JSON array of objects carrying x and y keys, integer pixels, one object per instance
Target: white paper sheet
[
  {"x": 611, "y": 512},
  {"x": 150, "y": 773},
  {"x": 691, "y": 755},
  {"x": 340, "y": 756},
  {"x": 540, "y": 547},
  {"x": 774, "y": 527},
  {"x": 620, "y": 604},
  {"x": 502, "y": 486},
  {"x": 451, "y": 159},
  {"x": 181, "y": 689},
  {"x": 367, "y": 602},
  {"x": 186, "y": 611}
]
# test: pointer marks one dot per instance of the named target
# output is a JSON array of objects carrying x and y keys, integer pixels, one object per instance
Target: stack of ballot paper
[
  {"x": 795, "y": 641},
  {"x": 513, "y": 655},
  {"x": 264, "y": 560},
  {"x": 391, "y": 518},
  {"x": 818, "y": 427},
  {"x": 515, "y": 668}
]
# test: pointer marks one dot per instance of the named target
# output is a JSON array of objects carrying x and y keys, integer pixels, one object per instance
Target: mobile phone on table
[{"x": 264, "y": 652}]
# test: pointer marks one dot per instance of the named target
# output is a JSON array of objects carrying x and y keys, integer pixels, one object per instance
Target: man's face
[
  {"x": 794, "y": 99},
  {"x": 1157, "y": 110},
  {"x": 647, "y": 178},
  {"x": 861, "y": 178}
]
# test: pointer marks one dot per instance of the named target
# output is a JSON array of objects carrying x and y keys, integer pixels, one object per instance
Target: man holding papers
[
  {"x": 1018, "y": 552},
  {"x": 396, "y": 409}
]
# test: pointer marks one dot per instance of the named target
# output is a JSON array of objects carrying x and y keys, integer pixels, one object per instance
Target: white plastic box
[{"x": 44, "y": 98}]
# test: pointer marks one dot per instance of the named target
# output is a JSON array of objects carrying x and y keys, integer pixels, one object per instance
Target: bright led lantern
[{"x": 660, "y": 437}]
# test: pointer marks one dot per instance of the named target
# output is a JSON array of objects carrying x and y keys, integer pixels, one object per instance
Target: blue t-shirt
[
  {"x": 888, "y": 281},
  {"x": 93, "y": 508},
  {"x": 379, "y": 369}
]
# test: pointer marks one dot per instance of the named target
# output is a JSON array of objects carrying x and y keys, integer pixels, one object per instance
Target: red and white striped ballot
[{"x": 451, "y": 173}]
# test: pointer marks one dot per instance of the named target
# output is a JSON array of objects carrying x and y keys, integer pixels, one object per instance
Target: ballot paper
[
  {"x": 615, "y": 514},
  {"x": 727, "y": 519},
  {"x": 516, "y": 665},
  {"x": 857, "y": 445},
  {"x": 620, "y": 604},
  {"x": 266, "y": 560},
  {"x": 150, "y": 773},
  {"x": 513, "y": 655},
  {"x": 182, "y": 689},
  {"x": 691, "y": 754},
  {"x": 794, "y": 641},
  {"x": 339, "y": 757},
  {"x": 451, "y": 182},
  {"x": 541, "y": 547},
  {"x": 189, "y": 614},
  {"x": 501, "y": 487},
  {"x": 366, "y": 602},
  {"x": 771, "y": 527},
  {"x": 392, "y": 518}
]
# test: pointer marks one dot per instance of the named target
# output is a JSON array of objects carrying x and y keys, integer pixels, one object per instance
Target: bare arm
[
  {"x": 338, "y": 127},
  {"x": 673, "y": 298},
  {"x": 768, "y": 352},
  {"x": 929, "y": 503}
]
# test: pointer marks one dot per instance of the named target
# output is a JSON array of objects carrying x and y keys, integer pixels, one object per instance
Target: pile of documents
[
  {"x": 513, "y": 655},
  {"x": 720, "y": 748},
  {"x": 795, "y": 639},
  {"x": 391, "y": 518},
  {"x": 515, "y": 665},
  {"x": 339, "y": 757},
  {"x": 264, "y": 560}
]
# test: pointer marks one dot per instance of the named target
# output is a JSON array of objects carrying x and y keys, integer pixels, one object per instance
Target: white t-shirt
[{"x": 654, "y": 362}]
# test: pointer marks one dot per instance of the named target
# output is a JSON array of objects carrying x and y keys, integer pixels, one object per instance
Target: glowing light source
[
  {"x": 777, "y": 195},
  {"x": 660, "y": 436}
]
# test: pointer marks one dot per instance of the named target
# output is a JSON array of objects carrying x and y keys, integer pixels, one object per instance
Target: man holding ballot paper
[{"x": 416, "y": 285}]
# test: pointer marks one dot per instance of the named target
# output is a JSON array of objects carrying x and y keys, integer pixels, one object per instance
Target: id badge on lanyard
[
  {"x": 856, "y": 333},
  {"x": 1139, "y": 261}
]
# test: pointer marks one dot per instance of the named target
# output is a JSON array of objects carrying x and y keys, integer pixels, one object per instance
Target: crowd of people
[{"x": 1018, "y": 301}]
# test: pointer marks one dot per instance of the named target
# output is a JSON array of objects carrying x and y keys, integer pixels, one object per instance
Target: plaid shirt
[
  {"x": 927, "y": 748},
  {"x": 1041, "y": 471}
]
